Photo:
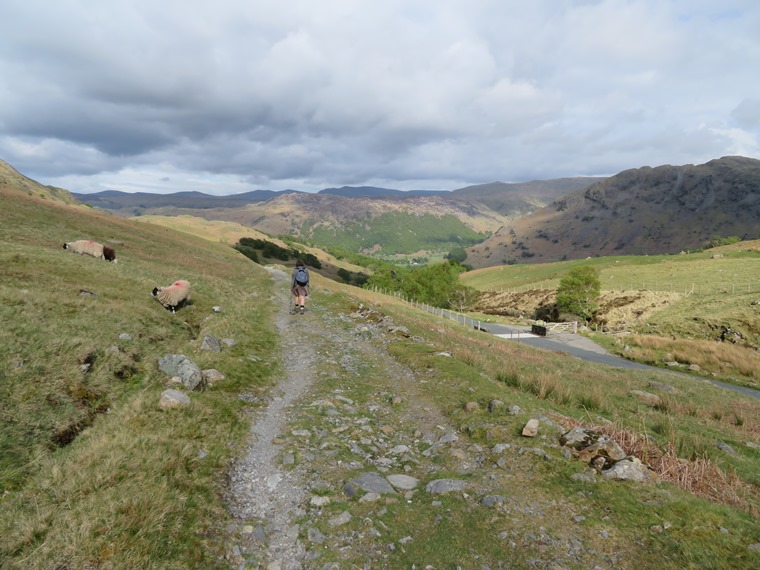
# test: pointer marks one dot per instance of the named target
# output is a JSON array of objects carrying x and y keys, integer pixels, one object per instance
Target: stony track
[{"x": 352, "y": 465}]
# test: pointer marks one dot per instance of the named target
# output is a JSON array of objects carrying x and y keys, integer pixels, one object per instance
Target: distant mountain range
[
  {"x": 375, "y": 192},
  {"x": 645, "y": 210},
  {"x": 509, "y": 199},
  {"x": 363, "y": 219},
  {"x": 128, "y": 204},
  {"x": 639, "y": 211}
]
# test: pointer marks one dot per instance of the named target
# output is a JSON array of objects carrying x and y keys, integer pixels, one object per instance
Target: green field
[
  {"x": 736, "y": 272},
  {"x": 396, "y": 233}
]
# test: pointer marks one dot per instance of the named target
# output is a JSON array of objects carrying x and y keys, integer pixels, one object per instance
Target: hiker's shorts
[{"x": 300, "y": 291}]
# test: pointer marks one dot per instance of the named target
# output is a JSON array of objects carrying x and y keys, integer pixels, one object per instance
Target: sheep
[
  {"x": 93, "y": 248},
  {"x": 175, "y": 295}
]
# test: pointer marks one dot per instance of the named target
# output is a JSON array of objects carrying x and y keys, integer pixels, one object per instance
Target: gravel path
[
  {"x": 352, "y": 465},
  {"x": 264, "y": 497}
]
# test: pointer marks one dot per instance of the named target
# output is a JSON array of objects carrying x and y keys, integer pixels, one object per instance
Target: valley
[{"x": 287, "y": 455}]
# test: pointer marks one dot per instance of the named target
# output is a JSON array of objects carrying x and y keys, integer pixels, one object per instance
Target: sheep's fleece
[
  {"x": 93, "y": 248},
  {"x": 176, "y": 294}
]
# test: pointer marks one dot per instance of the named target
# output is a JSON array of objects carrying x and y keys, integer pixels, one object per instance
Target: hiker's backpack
[{"x": 302, "y": 277}]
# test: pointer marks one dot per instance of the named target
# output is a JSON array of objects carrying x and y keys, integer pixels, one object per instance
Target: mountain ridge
[{"x": 646, "y": 210}]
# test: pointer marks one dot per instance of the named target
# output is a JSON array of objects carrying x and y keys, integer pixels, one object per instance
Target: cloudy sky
[{"x": 237, "y": 95}]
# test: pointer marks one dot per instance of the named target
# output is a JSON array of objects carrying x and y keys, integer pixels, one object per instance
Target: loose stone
[
  {"x": 341, "y": 519},
  {"x": 440, "y": 486},
  {"x": 403, "y": 481},
  {"x": 531, "y": 428}
]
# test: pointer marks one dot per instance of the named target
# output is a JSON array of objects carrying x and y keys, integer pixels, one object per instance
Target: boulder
[
  {"x": 173, "y": 399},
  {"x": 579, "y": 438},
  {"x": 211, "y": 343},
  {"x": 211, "y": 376},
  {"x": 403, "y": 482},
  {"x": 181, "y": 366},
  {"x": 663, "y": 387},
  {"x": 646, "y": 397},
  {"x": 373, "y": 482},
  {"x": 630, "y": 469},
  {"x": 441, "y": 486}
]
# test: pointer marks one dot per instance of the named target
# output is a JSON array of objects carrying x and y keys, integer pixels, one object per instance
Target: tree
[
  {"x": 578, "y": 292},
  {"x": 457, "y": 254},
  {"x": 436, "y": 284},
  {"x": 345, "y": 275}
]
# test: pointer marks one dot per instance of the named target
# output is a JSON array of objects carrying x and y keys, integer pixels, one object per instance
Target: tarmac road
[{"x": 586, "y": 349}]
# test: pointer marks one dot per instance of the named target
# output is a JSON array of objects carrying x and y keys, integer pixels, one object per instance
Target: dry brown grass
[
  {"x": 700, "y": 476},
  {"x": 626, "y": 309},
  {"x": 722, "y": 358},
  {"x": 617, "y": 310}
]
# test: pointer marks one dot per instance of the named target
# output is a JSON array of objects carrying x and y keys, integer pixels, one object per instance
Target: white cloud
[{"x": 236, "y": 94}]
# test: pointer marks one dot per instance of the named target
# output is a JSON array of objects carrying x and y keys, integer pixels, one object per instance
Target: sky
[{"x": 236, "y": 95}]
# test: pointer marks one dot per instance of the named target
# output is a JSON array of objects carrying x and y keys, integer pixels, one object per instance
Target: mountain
[
  {"x": 360, "y": 218},
  {"x": 369, "y": 225},
  {"x": 374, "y": 192},
  {"x": 12, "y": 181},
  {"x": 508, "y": 199},
  {"x": 127, "y": 204},
  {"x": 639, "y": 211},
  {"x": 520, "y": 198}
]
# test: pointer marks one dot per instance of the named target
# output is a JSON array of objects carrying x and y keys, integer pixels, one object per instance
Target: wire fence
[
  {"x": 696, "y": 288},
  {"x": 445, "y": 313},
  {"x": 477, "y": 324}
]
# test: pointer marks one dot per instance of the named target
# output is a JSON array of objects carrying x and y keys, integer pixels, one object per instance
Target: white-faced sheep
[
  {"x": 93, "y": 248},
  {"x": 175, "y": 295}
]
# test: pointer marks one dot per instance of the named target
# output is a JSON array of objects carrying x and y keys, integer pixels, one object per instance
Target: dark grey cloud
[{"x": 227, "y": 96}]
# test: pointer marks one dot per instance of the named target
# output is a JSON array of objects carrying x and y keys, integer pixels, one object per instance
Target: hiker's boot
[{"x": 303, "y": 309}]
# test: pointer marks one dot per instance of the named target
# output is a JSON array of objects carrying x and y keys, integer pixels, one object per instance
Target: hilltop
[
  {"x": 13, "y": 182},
  {"x": 640, "y": 211},
  {"x": 363, "y": 432},
  {"x": 520, "y": 198}
]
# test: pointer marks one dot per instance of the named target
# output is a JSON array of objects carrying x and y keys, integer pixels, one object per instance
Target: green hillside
[
  {"x": 396, "y": 232},
  {"x": 95, "y": 475},
  {"x": 79, "y": 386},
  {"x": 736, "y": 270}
]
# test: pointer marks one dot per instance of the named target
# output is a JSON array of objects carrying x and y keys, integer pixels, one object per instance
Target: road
[{"x": 586, "y": 349}]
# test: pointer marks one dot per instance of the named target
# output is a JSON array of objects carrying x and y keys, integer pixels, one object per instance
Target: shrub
[{"x": 579, "y": 291}]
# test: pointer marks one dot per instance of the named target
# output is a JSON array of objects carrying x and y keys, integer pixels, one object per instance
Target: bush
[
  {"x": 345, "y": 275},
  {"x": 578, "y": 292},
  {"x": 717, "y": 241},
  {"x": 457, "y": 254},
  {"x": 437, "y": 284}
]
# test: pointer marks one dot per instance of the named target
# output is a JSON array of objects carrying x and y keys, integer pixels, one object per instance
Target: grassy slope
[
  {"x": 397, "y": 232},
  {"x": 231, "y": 232},
  {"x": 133, "y": 491},
  {"x": 114, "y": 481},
  {"x": 689, "y": 422},
  {"x": 704, "y": 294},
  {"x": 737, "y": 271}
]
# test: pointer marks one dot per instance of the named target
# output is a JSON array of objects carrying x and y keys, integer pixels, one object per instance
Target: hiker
[{"x": 299, "y": 286}]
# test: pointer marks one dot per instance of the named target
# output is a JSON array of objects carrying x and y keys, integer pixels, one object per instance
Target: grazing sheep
[
  {"x": 175, "y": 295},
  {"x": 93, "y": 248}
]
